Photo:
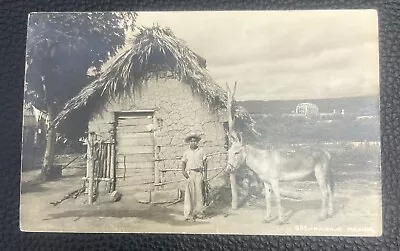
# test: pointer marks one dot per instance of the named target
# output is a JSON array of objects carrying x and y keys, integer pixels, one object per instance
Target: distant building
[
  {"x": 308, "y": 110},
  {"x": 33, "y": 132}
]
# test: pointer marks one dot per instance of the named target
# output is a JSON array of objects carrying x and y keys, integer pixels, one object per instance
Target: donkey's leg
[
  {"x": 330, "y": 202},
  {"x": 321, "y": 179},
  {"x": 275, "y": 189},
  {"x": 330, "y": 193},
  {"x": 267, "y": 188}
]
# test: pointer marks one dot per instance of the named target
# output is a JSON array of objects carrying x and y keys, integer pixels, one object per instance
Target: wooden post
[
  {"x": 232, "y": 176},
  {"x": 124, "y": 167},
  {"x": 113, "y": 155},
  {"x": 109, "y": 160},
  {"x": 90, "y": 167},
  {"x": 97, "y": 167},
  {"x": 113, "y": 169},
  {"x": 157, "y": 150},
  {"x": 100, "y": 161},
  {"x": 104, "y": 160},
  {"x": 157, "y": 178}
]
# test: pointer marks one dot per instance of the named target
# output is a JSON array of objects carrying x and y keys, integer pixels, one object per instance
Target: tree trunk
[
  {"x": 231, "y": 123},
  {"x": 48, "y": 161}
]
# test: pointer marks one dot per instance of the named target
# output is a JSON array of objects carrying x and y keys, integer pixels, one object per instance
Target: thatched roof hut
[
  {"x": 147, "y": 100},
  {"x": 154, "y": 53}
]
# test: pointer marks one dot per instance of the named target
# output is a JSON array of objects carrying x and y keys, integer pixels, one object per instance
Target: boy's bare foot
[
  {"x": 190, "y": 219},
  {"x": 200, "y": 216}
]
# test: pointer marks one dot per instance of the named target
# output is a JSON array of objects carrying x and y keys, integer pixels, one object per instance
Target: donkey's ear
[
  {"x": 232, "y": 137},
  {"x": 235, "y": 137},
  {"x": 229, "y": 136}
]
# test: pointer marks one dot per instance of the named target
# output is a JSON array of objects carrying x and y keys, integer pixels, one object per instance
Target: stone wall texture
[{"x": 178, "y": 112}]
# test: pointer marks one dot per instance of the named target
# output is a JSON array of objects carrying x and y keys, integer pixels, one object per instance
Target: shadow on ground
[
  {"x": 32, "y": 186},
  {"x": 159, "y": 214},
  {"x": 220, "y": 203},
  {"x": 292, "y": 207},
  {"x": 74, "y": 175}
]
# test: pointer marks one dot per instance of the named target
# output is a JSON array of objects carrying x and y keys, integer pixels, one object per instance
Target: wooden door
[{"x": 134, "y": 149}]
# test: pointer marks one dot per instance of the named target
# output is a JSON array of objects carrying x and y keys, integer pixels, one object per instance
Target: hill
[{"x": 363, "y": 106}]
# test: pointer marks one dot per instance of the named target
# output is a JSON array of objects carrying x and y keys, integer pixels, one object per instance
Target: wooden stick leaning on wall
[
  {"x": 104, "y": 170},
  {"x": 97, "y": 166},
  {"x": 109, "y": 159},
  {"x": 232, "y": 176},
  {"x": 101, "y": 160},
  {"x": 90, "y": 167},
  {"x": 113, "y": 169},
  {"x": 96, "y": 159}
]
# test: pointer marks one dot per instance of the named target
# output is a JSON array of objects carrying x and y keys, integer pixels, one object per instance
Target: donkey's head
[{"x": 236, "y": 155}]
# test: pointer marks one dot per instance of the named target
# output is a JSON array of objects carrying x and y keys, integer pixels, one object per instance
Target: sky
[{"x": 275, "y": 55}]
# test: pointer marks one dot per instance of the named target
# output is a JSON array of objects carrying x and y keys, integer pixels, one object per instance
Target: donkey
[{"x": 273, "y": 166}]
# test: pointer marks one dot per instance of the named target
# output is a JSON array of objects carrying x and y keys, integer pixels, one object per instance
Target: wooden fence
[
  {"x": 172, "y": 175},
  {"x": 100, "y": 166}
]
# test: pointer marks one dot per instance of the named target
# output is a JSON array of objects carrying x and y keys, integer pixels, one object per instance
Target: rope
[
  {"x": 213, "y": 154},
  {"x": 84, "y": 156},
  {"x": 222, "y": 169}
]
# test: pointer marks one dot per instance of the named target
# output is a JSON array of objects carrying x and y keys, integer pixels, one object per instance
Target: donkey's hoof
[
  {"x": 268, "y": 219},
  {"x": 281, "y": 221}
]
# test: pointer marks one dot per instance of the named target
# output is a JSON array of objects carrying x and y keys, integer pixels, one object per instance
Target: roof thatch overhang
[{"x": 154, "y": 53}]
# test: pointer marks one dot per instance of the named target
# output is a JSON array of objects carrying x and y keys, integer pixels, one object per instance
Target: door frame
[{"x": 148, "y": 112}]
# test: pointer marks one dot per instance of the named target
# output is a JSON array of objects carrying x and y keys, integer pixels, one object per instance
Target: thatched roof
[{"x": 154, "y": 53}]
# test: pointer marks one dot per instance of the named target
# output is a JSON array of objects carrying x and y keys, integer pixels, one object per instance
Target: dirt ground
[{"x": 357, "y": 210}]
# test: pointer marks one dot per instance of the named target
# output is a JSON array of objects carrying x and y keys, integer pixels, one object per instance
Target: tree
[{"x": 61, "y": 48}]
